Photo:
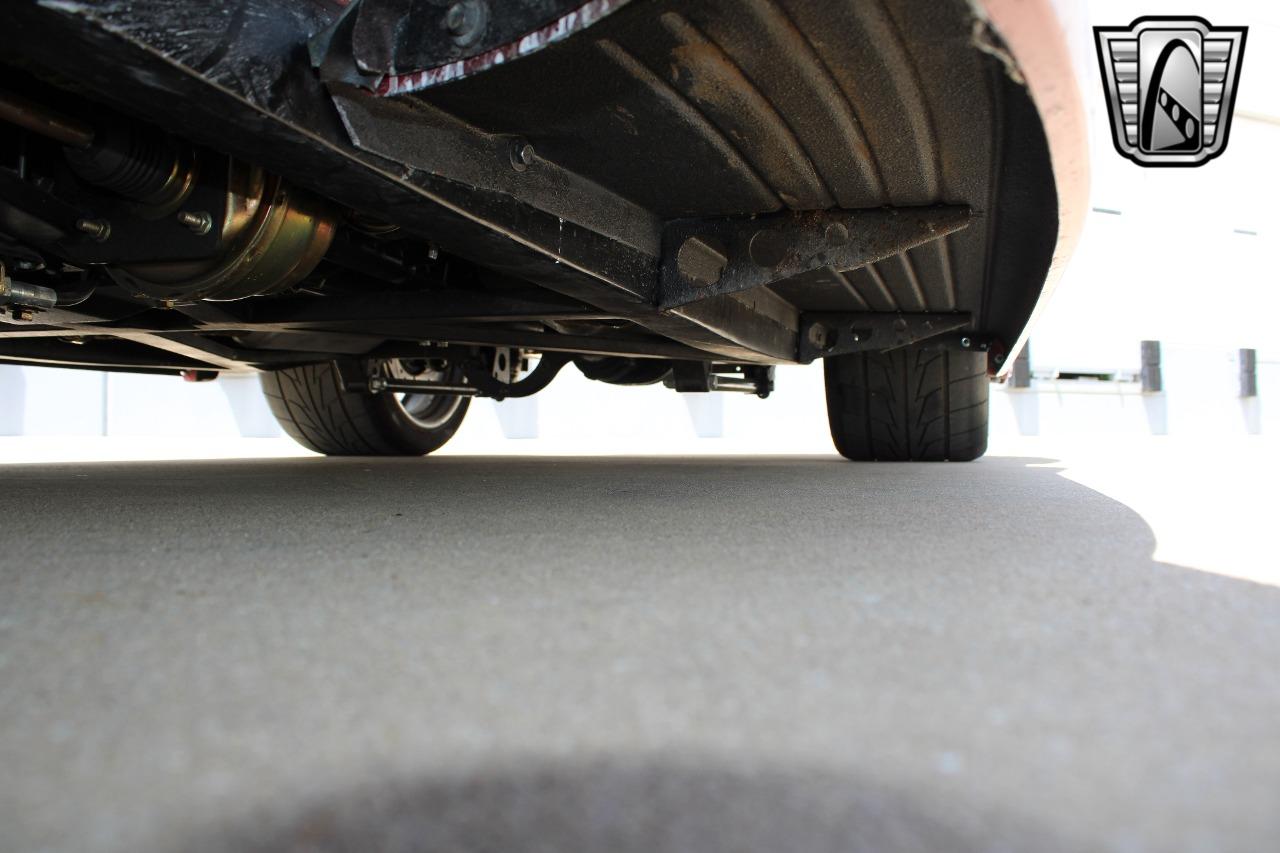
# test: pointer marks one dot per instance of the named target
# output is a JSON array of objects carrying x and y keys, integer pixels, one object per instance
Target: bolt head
[
  {"x": 456, "y": 18},
  {"x": 98, "y": 229},
  {"x": 466, "y": 21},
  {"x": 820, "y": 337},
  {"x": 522, "y": 155},
  {"x": 701, "y": 261},
  {"x": 966, "y": 343},
  {"x": 200, "y": 222},
  {"x": 767, "y": 248},
  {"x": 836, "y": 234}
]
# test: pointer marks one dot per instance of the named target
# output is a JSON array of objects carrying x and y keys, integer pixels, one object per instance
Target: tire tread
[
  {"x": 914, "y": 403},
  {"x": 314, "y": 410}
]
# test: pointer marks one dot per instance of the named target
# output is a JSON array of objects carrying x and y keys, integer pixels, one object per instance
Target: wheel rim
[
  {"x": 429, "y": 411},
  {"x": 426, "y": 411}
]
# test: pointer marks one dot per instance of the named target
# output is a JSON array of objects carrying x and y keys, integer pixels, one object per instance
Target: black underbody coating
[{"x": 663, "y": 110}]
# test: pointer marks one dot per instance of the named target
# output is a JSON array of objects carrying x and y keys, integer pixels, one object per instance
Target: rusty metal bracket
[
  {"x": 702, "y": 258},
  {"x": 826, "y": 334}
]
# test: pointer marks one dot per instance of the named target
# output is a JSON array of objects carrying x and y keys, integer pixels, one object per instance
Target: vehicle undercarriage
[{"x": 423, "y": 199}]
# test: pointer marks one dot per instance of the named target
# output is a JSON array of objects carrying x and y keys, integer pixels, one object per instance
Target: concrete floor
[{"x": 766, "y": 654}]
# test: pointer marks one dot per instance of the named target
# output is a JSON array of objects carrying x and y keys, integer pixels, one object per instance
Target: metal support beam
[
  {"x": 702, "y": 258},
  {"x": 1021, "y": 375},
  {"x": 1248, "y": 373},
  {"x": 454, "y": 305},
  {"x": 827, "y": 334},
  {"x": 1152, "y": 377}
]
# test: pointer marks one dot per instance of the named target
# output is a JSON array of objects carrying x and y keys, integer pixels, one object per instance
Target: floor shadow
[{"x": 628, "y": 806}]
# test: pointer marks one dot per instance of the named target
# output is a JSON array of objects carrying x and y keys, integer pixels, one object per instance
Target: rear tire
[
  {"x": 312, "y": 407},
  {"x": 913, "y": 403}
]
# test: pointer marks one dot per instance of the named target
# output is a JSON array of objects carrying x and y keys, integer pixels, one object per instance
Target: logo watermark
[{"x": 1171, "y": 87}]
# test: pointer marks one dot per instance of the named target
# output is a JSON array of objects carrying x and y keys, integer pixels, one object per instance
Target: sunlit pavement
[
  {"x": 1067, "y": 645},
  {"x": 1209, "y": 500}
]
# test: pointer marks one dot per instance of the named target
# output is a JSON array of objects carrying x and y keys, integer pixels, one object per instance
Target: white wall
[{"x": 52, "y": 401}]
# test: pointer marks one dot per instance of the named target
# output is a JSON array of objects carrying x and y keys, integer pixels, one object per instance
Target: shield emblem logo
[{"x": 1170, "y": 86}]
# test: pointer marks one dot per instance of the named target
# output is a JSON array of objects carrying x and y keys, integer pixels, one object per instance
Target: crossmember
[
  {"x": 702, "y": 258},
  {"x": 827, "y": 334}
]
